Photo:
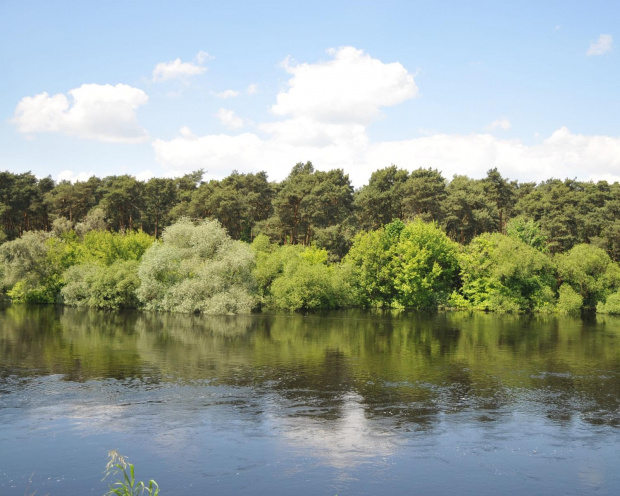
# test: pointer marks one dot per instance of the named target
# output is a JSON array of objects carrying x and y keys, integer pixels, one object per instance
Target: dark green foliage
[
  {"x": 21, "y": 203},
  {"x": 468, "y": 210},
  {"x": 309, "y": 200},
  {"x": 381, "y": 201},
  {"x": 238, "y": 202},
  {"x": 91, "y": 224},
  {"x": 424, "y": 193}
]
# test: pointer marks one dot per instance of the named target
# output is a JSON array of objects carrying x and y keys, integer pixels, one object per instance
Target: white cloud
[
  {"x": 601, "y": 46},
  {"x": 327, "y": 125},
  {"x": 351, "y": 87},
  {"x": 144, "y": 175},
  {"x": 227, "y": 94},
  {"x": 252, "y": 89},
  {"x": 229, "y": 119},
  {"x": 69, "y": 175},
  {"x": 563, "y": 154},
  {"x": 202, "y": 57},
  {"x": 502, "y": 123},
  {"x": 218, "y": 154},
  {"x": 175, "y": 69},
  {"x": 92, "y": 111}
]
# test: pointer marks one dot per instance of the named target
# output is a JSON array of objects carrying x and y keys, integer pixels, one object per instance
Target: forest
[{"x": 312, "y": 241}]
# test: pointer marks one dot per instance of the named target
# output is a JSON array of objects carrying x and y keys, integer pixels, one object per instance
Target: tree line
[
  {"x": 312, "y": 207},
  {"x": 404, "y": 240}
]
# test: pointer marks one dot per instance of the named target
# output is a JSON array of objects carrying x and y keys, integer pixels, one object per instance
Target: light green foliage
[
  {"x": 197, "y": 268},
  {"x": 26, "y": 273},
  {"x": 61, "y": 226},
  {"x": 297, "y": 278},
  {"x": 529, "y": 232},
  {"x": 369, "y": 259},
  {"x": 126, "y": 483},
  {"x": 590, "y": 272},
  {"x": 100, "y": 286},
  {"x": 413, "y": 265},
  {"x": 569, "y": 301},
  {"x": 105, "y": 247},
  {"x": 611, "y": 306},
  {"x": 270, "y": 262},
  {"x": 424, "y": 267},
  {"x": 502, "y": 273}
]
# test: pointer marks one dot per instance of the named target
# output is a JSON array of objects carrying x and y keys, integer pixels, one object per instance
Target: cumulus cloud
[
  {"x": 322, "y": 121},
  {"x": 601, "y": 46},
  {"x": 175, "y": 69},
  {"x": 252, "y": 89},
  {"x": 351, "y": 87},
  {"x": 69, "y": 175},
  {"x": 92, "y": 111},
  {"x": 227, "y": 94},
  {"x": 502, "y": 123},
  {"x": 562, "y": 154},
  {"x": 229, "y": 119}
]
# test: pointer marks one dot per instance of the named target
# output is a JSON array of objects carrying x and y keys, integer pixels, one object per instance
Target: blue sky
[{"x": 164, "y": 88}]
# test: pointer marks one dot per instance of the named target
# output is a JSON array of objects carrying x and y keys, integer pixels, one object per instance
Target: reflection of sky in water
[{"x": 344, "y": 442}]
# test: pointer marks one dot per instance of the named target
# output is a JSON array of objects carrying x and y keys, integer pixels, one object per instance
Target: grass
[{"x": 126, "y": 484}]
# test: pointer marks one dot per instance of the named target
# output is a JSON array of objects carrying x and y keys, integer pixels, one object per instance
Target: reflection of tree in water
[{"x": 403, "y": 366}]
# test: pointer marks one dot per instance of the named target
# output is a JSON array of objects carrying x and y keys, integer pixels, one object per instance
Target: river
[{"x": 352, "y": 402}]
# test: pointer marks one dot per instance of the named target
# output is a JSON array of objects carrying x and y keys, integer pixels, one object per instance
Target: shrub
[
  {"x": 197, "y": 268},
  {"x": 413, "y": 265},
  {"x": 611, "y": 306},
  {"x": 104, "y": 287},
  {"x": 569, "y": 301},
  {"x": 504, "y": 274}
]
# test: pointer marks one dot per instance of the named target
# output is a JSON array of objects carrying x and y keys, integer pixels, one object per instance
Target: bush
[
  {"x": 298, "y": 278},
  {"x": 413, "y": 265},
  {"x": 504, "y": 274},
  {"x": 197, "y": 268},
  {"x": 590, "y": 272},
  {"x": 611, "y": 306},
  {"x": 569, "y": 301},
  {"x": 104, "y": 287}
]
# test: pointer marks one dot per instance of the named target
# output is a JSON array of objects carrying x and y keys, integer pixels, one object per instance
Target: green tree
[
  {"x": 590, "y": 272},
  {"x": 122, "y": 200},
  {"x": 381, "y": 200},
  {"x": 197, "y": 268},
  {"x": 424, "y": 192},
  {"x": 527, "y": 231},
  {"x": 412, "y": 265},
  {"x": 504, "y": 274},
  {"x": 468, "y": 210}
]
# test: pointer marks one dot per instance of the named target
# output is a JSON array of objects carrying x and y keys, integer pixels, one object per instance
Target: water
[{"x": 339, "y": 403}]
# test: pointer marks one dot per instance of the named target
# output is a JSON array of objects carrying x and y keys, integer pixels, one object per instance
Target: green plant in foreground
[{"x": 126, "y": 485}]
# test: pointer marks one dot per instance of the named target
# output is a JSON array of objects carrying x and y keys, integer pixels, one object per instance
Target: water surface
[{"x": 337, "y": 403}]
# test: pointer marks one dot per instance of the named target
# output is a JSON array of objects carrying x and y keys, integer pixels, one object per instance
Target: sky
[{"x": 154, "y": 88}]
